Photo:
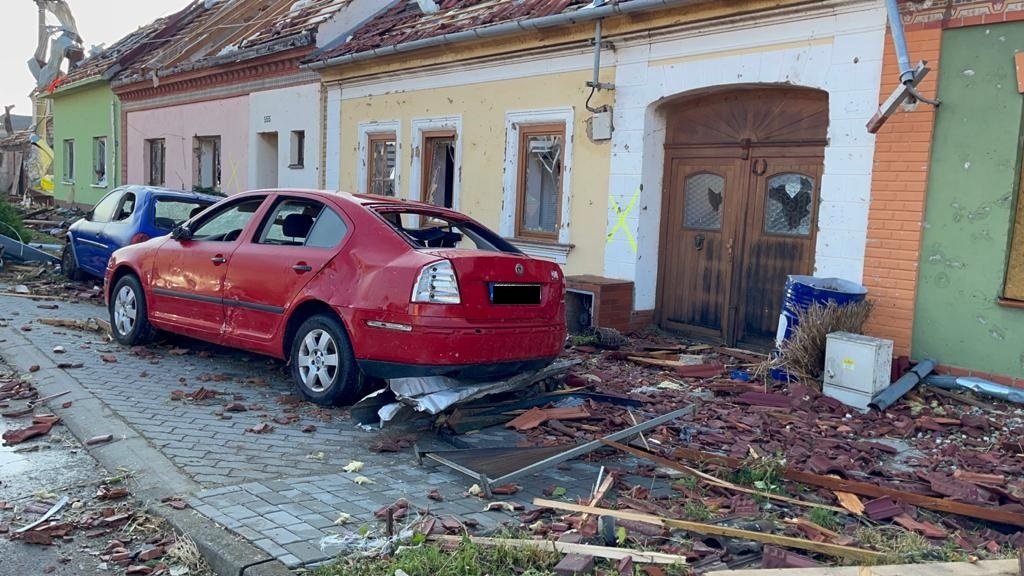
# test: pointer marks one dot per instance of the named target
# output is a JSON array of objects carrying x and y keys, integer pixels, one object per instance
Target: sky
[{"x": 99, "y": 22}]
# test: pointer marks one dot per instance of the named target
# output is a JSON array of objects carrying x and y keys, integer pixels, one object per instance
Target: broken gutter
[{"x": 504, "y": 29}]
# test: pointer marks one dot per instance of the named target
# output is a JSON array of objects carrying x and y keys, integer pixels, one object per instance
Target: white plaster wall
[
  {"x": 332, "y": 147},
  {"x": 837, "y": 48},
  {"x": 281, "y": 111}
]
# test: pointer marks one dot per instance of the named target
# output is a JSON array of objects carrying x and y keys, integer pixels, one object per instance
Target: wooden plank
[
  {"x": 836, "y": 550},
  {"x": 983, "y": 568},
  {"x": 656, "y": 362},
  {"x": 1018, "y": 61},
  {"x": 570, "y": 548},
  {"x": 717, "y": 481},
  {"x": 865, "y": 489}
]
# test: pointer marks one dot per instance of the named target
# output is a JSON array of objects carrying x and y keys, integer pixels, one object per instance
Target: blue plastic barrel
[{"x": 802, "y": 291}]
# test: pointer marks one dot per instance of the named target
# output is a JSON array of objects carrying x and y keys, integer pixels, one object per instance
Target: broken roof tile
[{"x": 882, "y": 508}]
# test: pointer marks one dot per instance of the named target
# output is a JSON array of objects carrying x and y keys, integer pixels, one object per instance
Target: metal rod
[
  {"x": 900, "y": 41},
  {"x": 597, "y": 54}
]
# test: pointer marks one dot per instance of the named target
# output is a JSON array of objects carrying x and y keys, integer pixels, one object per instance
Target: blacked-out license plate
[{"x": 515, "y": 293}]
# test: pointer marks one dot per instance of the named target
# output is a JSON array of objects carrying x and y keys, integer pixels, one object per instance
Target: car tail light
[
  {"x": 437, "y": 284},
  {"x": 140, "y": 237}
]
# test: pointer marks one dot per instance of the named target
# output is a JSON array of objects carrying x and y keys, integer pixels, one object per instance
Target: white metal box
[{"x": 857, "y": 367}]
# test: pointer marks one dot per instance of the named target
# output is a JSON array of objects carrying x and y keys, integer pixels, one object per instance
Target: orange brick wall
[{"x": 898, "y": 188}]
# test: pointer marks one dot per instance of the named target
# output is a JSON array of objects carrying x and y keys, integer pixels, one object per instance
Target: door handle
[
  {"x": 698, "y": 242},
  {"x": 218, "y": 260},
  {"x": 302, "y": 267}
]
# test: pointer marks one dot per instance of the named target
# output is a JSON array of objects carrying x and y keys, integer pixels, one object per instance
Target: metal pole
[{"x": 900, "y": 41}]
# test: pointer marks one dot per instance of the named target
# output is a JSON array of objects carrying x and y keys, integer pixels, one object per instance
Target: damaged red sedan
[{"x": 343, "y": 286}]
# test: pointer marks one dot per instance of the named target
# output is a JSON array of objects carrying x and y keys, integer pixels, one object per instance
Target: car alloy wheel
[
  {"x": 126, "y": 310},
  {"x": 318, "y": 360}
]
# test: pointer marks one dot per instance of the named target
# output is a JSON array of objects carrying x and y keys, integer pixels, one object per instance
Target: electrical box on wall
[
  {"x": 599, "y": 126},
  {"x": 856, "y": 368}
]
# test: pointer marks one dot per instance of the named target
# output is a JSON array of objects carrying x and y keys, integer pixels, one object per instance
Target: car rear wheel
[
  {"x": 323, "y": 364},
  {"x": 129, "y": 320},
  {"x": 68, "y": 265}
]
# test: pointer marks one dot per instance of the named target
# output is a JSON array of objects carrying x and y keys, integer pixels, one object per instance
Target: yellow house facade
[{"x": 722, "y": 148}]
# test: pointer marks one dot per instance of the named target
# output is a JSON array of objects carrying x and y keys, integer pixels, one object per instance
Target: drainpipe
[
  {"x": 900, "y": 41},
  {"x": 597, "y": 12},
  {"x": 114, "y": 133}
]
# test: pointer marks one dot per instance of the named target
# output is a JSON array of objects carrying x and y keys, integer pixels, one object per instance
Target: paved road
[{"x": 281, "y": 490}]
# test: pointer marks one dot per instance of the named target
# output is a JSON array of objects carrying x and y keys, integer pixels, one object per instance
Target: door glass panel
[
  {"x": 790, "y": 196},
  {"x": 227, "y": 224},
  {"x": 704, "y": 193}
]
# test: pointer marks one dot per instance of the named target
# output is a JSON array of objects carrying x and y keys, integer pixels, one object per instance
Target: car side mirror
[
  {"x": 181, "y": 232},
  {"x": 88, "y": 216}
]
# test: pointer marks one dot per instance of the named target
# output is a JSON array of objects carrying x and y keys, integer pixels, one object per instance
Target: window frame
[
  {"x": 423, "y": 128},
  {"x": 370, "y": 140},
  {"x": 149, "y": 149},
  {"x": 427, "y": 160},
  {"x": 364, "y": 131},
  {"x": 68, "y": 173},
  {"x": 94, "y": 181},
  {"x": 197, "y": 172},
  {"x": 525, "y": 132},
  {"x": 297, "y": 150},
  {"x": 555, "y": 250}
]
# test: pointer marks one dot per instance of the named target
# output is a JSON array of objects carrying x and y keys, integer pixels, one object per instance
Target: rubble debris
[
  {"x": 858, "y": 554},
  {"x": 46, "y": 516},
  {"x": 88, "y": 325},
  {"x": 865, "y": 489},
  {"x": 535, "y": 417},
  {"x": 638, "y": 557},
  {"x": 979, "y": 386},
  {"x": 102, "y": 439},
  {"x": 41, "y": 425},
  {"x": 905, "y": 384},
  {"x": 263, "y": 428}
]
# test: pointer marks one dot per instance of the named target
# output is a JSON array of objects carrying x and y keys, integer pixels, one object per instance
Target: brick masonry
[
  {"x": 282, "y": 490},
  {"x": 898, "y": 189}
]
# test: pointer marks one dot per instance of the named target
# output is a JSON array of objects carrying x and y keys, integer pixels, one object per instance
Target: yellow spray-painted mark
[
  {"x": 620, "y": 219},
  {"x": 232, "y": 183}
]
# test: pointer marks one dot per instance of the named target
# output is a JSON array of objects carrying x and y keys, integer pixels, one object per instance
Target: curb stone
[{"x": 155, "y": 477}]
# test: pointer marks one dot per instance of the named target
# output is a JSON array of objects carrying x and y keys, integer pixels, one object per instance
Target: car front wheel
[
  {"x": 323, "y": 364},
  {"x": 68, "y": 264},
  {"x": 129, "y": 320}
]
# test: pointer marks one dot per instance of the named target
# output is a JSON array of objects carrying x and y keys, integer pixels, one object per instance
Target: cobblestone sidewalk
[{"x": 283, "y": 489}]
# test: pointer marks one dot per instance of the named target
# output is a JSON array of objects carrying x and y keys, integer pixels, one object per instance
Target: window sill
[
  {"x": 68, "y": 182},
  {"x": 1010, "y": 303},
  {"x": 296, "y": 166},
  {"x": 553, "y": 251},
  {"x": 97, "y": 186}
]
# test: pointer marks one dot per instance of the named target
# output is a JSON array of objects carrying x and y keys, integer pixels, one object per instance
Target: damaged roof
[
  {"x": 406, "y": 21},
  {"x": 122, "y": 52},
  {"x": 231, "y": 31}
]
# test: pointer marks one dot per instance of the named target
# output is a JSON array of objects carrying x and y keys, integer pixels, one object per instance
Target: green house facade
[{"x": 86, "y": 142}]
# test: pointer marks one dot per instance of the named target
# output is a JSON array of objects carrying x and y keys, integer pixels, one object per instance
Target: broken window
[
  {"x": 99, "y": 161},
  {"x": 424, "y": 228},
  {"x": 382, "y": 151},
  {"x": 297, "y": 157},
  {"x": 704, "y": 194},
  {"x": 69, "y": 161},
  {"x": 127, "y": 207},
  {"x": 155, "y": 154},
  {"x": 790, "y": 196},
  {"x": 539, "y": 188},
  {"x": 206, "y": 172},
  {"x": 438, "y": 155}
]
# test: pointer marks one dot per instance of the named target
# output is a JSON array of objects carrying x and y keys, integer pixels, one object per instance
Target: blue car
[{"x": 127, "y": 215}]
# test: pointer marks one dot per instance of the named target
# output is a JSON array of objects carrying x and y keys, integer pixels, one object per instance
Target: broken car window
[
  {"x": 426, "y": 229},
  {"x": 169, "y": 212}
]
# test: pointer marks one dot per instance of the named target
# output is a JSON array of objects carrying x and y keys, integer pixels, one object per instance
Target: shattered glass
[
  {"x": 704, "y": 195},
  {"x": 788, "y": 209},
  {"x": 542, "y": 183}
]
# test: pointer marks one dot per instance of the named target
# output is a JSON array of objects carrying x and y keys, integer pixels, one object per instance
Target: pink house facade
[{"x": 186, "y": 135}]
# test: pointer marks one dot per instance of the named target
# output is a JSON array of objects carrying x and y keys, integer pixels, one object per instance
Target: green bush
[{"x": 9, "y": 218}]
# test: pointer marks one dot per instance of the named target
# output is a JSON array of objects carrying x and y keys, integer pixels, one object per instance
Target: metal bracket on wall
[
  {"x": 496, "y": 466},
  {"x": 903, "y": 94}
]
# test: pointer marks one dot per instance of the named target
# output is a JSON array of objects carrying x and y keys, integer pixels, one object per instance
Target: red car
[{"x": 343, "y": 286}]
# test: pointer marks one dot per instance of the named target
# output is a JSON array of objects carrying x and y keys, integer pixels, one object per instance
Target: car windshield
[
  {"x": 169, "y": 212},
  {"x": 426, "y": 229}
]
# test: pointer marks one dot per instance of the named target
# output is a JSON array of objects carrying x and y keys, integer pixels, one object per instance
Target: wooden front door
[{"x": 742, "y": 175}]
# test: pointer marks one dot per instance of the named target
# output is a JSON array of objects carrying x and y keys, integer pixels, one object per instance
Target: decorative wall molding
[{"x": 917, "y": 14}]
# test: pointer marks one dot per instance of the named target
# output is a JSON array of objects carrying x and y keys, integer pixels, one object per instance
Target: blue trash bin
[{"x": 802, "y": 291}]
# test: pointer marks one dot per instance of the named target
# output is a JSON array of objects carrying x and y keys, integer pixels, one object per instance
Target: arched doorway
[{"x": 739, "y": 209}]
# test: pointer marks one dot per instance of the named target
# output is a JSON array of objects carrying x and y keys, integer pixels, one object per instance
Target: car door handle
[
  {"x": 218, "y": 260},
  {"x": 302, "y": 267}
]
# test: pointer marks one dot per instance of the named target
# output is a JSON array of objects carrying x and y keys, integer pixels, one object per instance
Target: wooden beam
[
  {"x": 569, "y": 548},
  {"x": 983, "y": 568},
  {"x": 718, "y": 481},
  {"x": 858, "y": 554},
  {"x": 865, "y": 489}
]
